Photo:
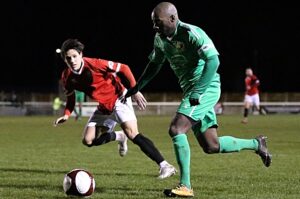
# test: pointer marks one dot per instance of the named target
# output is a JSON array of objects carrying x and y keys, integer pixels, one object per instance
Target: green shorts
[
  {"x": 79, "y": 96},
  {"x": 203, "y": 113}
]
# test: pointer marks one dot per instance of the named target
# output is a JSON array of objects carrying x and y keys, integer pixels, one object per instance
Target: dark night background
[{"x": 263, "y": 35}]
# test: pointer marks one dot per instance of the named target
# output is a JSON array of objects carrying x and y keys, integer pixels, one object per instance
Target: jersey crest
[{"x": 179, "y": 45}]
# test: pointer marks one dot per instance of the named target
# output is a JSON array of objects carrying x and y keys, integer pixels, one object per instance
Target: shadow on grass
[
  {"x": 59, "y": 189},
  {"x": 24, "y": 170},
  {"x": 126, "y": 190},
  {"x": 38, "y": 187},
  {"x": 120, "y": 174}
]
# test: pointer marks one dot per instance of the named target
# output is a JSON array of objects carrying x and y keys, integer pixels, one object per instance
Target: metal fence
[{"x": 153, "y": 108}]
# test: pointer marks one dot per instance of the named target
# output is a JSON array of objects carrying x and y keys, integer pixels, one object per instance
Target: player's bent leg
[
  {"x": 229, "y": 144},
  {"x": 211, "y": 143},
  {"x": 103, "y": 137},
  {"x": 95, "y": 136},
  {"x": 208, "y": 140},
  {"x": 89, "y": 135}
]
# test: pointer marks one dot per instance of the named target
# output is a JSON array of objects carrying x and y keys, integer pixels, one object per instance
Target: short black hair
[{"x": 71, "y": 44}]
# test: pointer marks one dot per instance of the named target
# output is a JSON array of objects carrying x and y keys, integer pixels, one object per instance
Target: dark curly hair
[{"x": 71, "y": 44}]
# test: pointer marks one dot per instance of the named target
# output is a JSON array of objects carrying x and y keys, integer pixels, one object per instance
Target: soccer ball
[{"x": 79, "y": 182}]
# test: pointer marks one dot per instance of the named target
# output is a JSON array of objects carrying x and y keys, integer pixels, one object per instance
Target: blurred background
[{"x": 263, "y": 35}]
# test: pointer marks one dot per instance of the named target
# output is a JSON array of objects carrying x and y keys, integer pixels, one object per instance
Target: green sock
[
  {"x": 183, "y": 156},
  {"x": 231, "y": 144}
]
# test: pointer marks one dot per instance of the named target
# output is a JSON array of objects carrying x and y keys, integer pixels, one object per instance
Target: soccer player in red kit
[
  {"x": 251, "y": 94},
  {"x": 101, "y": 80}
]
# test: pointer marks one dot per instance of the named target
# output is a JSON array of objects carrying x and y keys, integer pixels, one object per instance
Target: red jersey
[
  {"x": 98, "y": 79},
  {"x": 252, "y": 84}
]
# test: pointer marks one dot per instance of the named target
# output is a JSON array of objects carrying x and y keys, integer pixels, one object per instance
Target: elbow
[{"x": 215, "y": 59}]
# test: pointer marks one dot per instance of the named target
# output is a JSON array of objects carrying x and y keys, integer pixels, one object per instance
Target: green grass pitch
[{"x": 34, "y": 156}]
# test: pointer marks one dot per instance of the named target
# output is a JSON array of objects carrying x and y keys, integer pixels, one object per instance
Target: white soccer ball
[{"x": 79, "y": 182}]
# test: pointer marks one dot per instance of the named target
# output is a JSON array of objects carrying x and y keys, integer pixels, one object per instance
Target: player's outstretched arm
[
  {"x": 61, "y": 120},
  {"x": 70, "y": 104},
  {"x": 151, "y": 70}
]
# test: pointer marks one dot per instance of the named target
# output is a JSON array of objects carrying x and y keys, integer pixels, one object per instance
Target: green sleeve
[
  {"x": 209, "y": 71},
  {"x": 151, "y": 70},
  {"x": 157, "y": 58}
]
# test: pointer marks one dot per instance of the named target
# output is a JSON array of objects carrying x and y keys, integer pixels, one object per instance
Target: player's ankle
[{"x": 163, "y": 164}]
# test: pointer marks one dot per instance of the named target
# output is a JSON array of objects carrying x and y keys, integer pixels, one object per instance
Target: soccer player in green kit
[
  {"x": 79, "y": 99},
  {"x": 194, "y": 60}
]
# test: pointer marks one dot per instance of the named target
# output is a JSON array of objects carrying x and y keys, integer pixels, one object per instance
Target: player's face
[
  {"x": 249, "y": 72},
  {"x": 73, "y": 59},
  {"x": 162, "y": 24}
]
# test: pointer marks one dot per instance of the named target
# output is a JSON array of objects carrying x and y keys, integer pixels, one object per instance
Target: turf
[{"x": 35, "y": 156}]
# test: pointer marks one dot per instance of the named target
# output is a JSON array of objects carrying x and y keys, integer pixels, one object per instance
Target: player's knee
[
  {"x": 212, "y": 148},
  {"x": 173, "y": 131},
  {"x": 171, "y": 134},
  {"x": 88, "y": 143},
  {"x": 131, "y": 134},
  {"x": 130, "y": 129}
]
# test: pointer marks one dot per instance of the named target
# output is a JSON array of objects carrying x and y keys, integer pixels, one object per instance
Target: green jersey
[{"x": 186, "y": 51}]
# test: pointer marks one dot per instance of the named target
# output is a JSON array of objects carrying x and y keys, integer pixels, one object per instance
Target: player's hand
[
  {"x": 140, "y": 100},
  {"x": 61, "y": 120},
  {"x": 194, "y": 99}
]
